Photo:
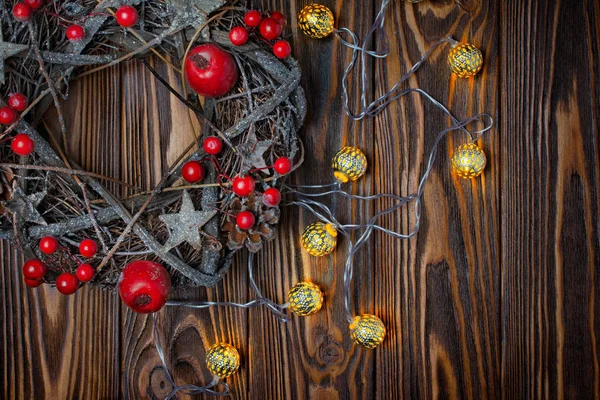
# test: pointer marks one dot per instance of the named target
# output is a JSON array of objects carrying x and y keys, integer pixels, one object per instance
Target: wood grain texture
[{"x": 497, "y": 297}]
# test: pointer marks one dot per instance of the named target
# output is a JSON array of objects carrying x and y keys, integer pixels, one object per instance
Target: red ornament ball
[
  {"x": 48, "y": 244},
  {"x": 252, "y": 18},
  {"x": 243, "y": 185},
  {"x": 245, "y": 220},
  {"x": 35, "y": 4},
  {"x": 192, "y": 171},
  {"x": 271, "y": 197},
  {"x": 282, "y": 49},
  {"x": 18, "y": 101},
  {"x": 144, "y": 286},
  {"x": 7, "y": 115},
  {"x": 279, "y": 17},
  {"x": 75, "y": 33},
  {"x": 238, "y": 36},
  {"x": 127, "y": 16},
  {"x": 85, "y": 272},
  {"x": 21, "y": 12},
  {"x": 283, "y": 165},
  {"x": 270, "y": 29},
  {"x": 22, "y": 144},
  {"x": 88, "y": 248},
  {"x": 33, "y": 283},
  {"x": 210, "y": 70},
  {"x": 212, "y": 145},
  {"x": 34, "y": 269},
  {"x": 67, "y": 283}
]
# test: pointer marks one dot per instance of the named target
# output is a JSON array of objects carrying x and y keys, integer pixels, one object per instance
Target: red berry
[
  {"x": 75, "y": 33},
  {"x": 17, "y": 101},
  {"x": 270, "y": 28},
  {"x": 252, "y": 18},
  {"x": 67, "y": 283},
  {"x": 243, "y": 185},
  {"x": 85, "y": 272},
  {"x": 21, "y": 12},
  {"x": 212, "y": 145},
  {"x": 127, "y": 16},
  {"x": 22, "y": 144},
  {"x": 210, "y": 70},
  {"x": 279, "y": 17},
  {"x": 7, "y": 115},
  {"x": 35, "y": 4},
  {"x": 245, "y": 220},
  {"x": 282, "y": 165},
  {"x": 48, "y": 245},
  {"x": 88, "y": 248},
  {"x": 192, "y": 171},
  {"x": 33, "y": 283},
  {"x": 144, "y": 286},
  {"x": 271, "y": 197},
  {"x": 282, "y": 49},
  {"x": 34, "y": 269},
  {"x": 238, "y": 36}
]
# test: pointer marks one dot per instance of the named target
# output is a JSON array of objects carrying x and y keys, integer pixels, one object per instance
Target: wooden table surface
[{"x": 498, "y": 295}]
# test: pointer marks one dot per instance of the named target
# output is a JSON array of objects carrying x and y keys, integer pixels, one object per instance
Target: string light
[
  {"x": 367, "y": 331},
  {"x": 465, "y": 60},
  {"x": 305, "y": 298},
  {"x": 316, "y": 21},
  {"x": 468, "y": 161},
  {"x": 319, "y": 239},
  {"x": 222, "y": 360},
  {"x": 349, "y": 164}
]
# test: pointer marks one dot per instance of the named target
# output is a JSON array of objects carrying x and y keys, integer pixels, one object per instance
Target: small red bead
[
  {"x": 88, "y": 248},
  {"x": 212, "y": 145},
  {"x": 252, "y": 18},
  {"x": 238, "y": 36},
  {"x": 7, "y": 115},
  {"x": 192, "y": 171},
  {"x": 270, "y": 28},
  {"x": 127, "y": 16},
  {"x": 67, "y": 283},
  {"x": 85, "y": 272},
  {"x": 33, "y": 283},
  {"x": 34, "y": 269},
  {"x": 48, "y": 245},
  {"x": 243, "y": 185},
  {"x": 245, "y": 220},
  {"x": 22, "y": 144},
  {"x": 279, "y": 17},
  {"x": 17, "y": 101},
  {"x": 35, "y": 4},
  {"x": 75, "y": 33},
  {"x": 271, "y": 197},
  {"x": 282, "y": 165},
  {"x": 282, "y": 49},
  {"x": 21, "y": 12}
]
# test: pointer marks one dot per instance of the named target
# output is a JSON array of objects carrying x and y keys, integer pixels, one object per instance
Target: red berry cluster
[
  {"x": 269, "y": 28},
  {"x": 21, "y": 144}
]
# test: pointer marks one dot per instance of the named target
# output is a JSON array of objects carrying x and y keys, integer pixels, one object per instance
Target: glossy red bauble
[
  {"x": 192, "y": 171},
  {"x": 127, "y": 16},
  {"x": 144, "y": 286},
  {"x": 279, "y": 17},
  {"x": 67, "y": 283},
  {"x": 210, "y": 70},
  {"x": 21, "y": 12},
  {"x": 271, "y": 197},
  {"x": 34, "y": 269},
  {"x": 85, "y": 272},
  {"x": 88, "y": 248},
  {"x": 270, "y": 29},
  {"x": 245, "y": 220},
  {"x": 243, "y": 185},
  {"x": 33, "y": 283},
  {"x": 238, "y": 36},
  {"x": 212, "y": 145},
  {"x": 35, "y": 4},
  {"x": 22, "y": 144},
  {"x": 283, "y": 165},
  {"x": 48, "y": 245},
  {"x": 7, "y": 115},
  {"x": 282, "y": 49},
  {"x": 75, "y": 33},
  {"x": 252, "y": 18},
  {"x": 17, "y": 101}
]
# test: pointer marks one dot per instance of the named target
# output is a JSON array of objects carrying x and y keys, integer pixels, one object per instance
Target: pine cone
[{"x": 263, "y": 229}]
